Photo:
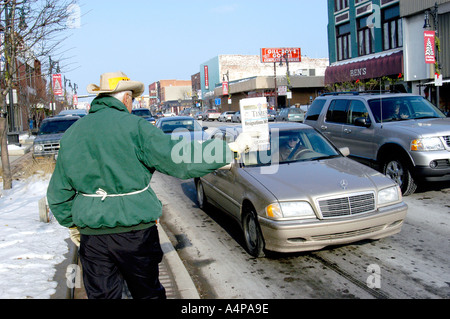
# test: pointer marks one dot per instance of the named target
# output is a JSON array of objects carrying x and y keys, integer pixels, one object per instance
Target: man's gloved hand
[
  {"x": 242, "y": 144},
  {"x": 75, "y": 236}
]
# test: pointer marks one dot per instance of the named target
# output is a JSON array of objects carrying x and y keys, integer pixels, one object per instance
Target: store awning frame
[{"x": 372, "y": 67}]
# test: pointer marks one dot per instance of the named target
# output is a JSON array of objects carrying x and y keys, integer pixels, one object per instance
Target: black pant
[{"x": 133, "y": 256}]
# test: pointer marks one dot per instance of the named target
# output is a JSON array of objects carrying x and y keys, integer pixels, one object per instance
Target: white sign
[
  {"x": 255, "y": 121},
  {"x": 437, "y": 79}
]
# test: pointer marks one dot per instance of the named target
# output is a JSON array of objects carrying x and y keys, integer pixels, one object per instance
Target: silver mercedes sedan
[{"x": 301, "y": 193}]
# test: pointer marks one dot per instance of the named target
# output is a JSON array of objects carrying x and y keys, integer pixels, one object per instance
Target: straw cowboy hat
[{"x": 115, "y": 82}]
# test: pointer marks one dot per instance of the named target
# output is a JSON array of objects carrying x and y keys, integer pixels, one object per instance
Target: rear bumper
[{"x": 295, "y": 236}]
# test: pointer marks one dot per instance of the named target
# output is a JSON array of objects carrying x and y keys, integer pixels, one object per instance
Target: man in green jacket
[{"x": 101, "y": 188}]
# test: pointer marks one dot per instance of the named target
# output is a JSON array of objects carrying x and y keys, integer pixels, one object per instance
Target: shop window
[
  {"x": 343, "y": 42},
  {"x": 340, "y": 5},
  {"x": 392, "y": 28},
  {"x": 365, "y": 37}
]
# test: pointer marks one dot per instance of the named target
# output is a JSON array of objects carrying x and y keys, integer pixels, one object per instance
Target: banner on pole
[
  {"x": 429, "y": 41},
  {"x": 57, "y": 85}
]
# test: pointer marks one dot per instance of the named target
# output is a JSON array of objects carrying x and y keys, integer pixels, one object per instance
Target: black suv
[{"x": 46, "y": 143}]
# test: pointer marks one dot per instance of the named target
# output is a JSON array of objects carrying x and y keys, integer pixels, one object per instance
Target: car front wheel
[
  {"x": 201, "y": 197},
  {"x": 397, "y": 170},
  {"x": 252, "y": 234}
]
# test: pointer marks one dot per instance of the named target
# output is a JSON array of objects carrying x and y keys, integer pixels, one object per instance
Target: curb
[{"x": 185, "y": 285}]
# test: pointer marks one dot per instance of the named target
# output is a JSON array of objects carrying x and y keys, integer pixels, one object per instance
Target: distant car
[
  {"x": 198, "y": 115},
  {"x": 144, "y": 113},
  {"x": 168, "y": 114},
  {"x": 183, "y": 126},
  {"x": 271, "y": 114},
  {"x": 236, "y": 117},
  {"x": 291, "y": 115},
  {"x": 211, "y": 115},
  {"x": 75, "y": 112},
  {"x": 46, "y": 143},
  {"x": 314, "y": 199},
  {"x": 226, "y": 116}
]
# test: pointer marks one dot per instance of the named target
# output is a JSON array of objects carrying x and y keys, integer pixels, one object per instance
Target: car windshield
[
  {"x": 190, "y": 125},
  {"x": 54, "y": 127},
  {"x": 292, "y": 146},
  {"x": 403, "y": 108},
  {"x": 141, "y": 112}
]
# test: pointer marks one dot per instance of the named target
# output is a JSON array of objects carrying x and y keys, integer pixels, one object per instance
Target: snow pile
[{"x": 29, "y": 249}]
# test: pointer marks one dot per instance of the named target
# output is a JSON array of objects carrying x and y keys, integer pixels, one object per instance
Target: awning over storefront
[{"x": 374, "y": 66}]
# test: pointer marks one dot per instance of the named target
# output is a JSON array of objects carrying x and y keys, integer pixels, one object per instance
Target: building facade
[
  {"x": 247, "y": 76},
  {"x": 380, "y": 44}
]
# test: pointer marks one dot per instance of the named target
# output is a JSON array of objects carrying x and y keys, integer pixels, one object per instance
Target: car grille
[
  {"x": 347, "y": 206},
  {"x": 51, "y": 147},
  {"x": 447, "y": 140}
]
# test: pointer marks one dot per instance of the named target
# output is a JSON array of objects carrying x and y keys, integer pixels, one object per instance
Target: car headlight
[
  {"x": 427, "y": 144},
  {"x": 38, "y": 148},
  {"x": 389, "y": 195},
  {"x": 290, "y": 210}
]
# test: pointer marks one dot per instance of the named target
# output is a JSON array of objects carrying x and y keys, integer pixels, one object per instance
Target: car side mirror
[
  {"x": 345, "y": 151},
  {"x": 204, "y": 128},
  {"x": 361, "y": 121}
]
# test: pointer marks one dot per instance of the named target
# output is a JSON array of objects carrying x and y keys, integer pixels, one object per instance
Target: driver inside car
[{"x": 290, "y": 148}]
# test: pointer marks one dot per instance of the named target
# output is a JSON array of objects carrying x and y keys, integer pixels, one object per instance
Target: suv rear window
[
  {"x": 54, "y": 127},
  {"x": 315, "y": 109}
]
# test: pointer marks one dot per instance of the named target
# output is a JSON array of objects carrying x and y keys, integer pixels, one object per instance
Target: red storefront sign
[
  {"x": 206, "y": 78},
  {"x": 57, "y": 84},
  {"x": 273, "y": 55},
  {"x": 429, "y": 41}
]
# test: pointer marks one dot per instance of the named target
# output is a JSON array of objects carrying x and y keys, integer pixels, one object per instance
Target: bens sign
[{"x": 358, "y": 72}]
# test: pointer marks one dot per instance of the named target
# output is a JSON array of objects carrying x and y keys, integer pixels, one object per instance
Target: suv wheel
[{"x": 398, "y": 171}]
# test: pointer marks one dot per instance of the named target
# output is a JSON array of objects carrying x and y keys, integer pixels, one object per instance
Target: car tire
[
  {"x": 253, "y": 237},
  {"x": 397, "y": 169},
  {"x": 201, "y": 197}
]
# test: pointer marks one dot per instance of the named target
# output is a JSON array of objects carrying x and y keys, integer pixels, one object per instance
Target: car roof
[
  {"x": 61, "y": 118},
  {"x": 175, "y": 118},
  {"x": 367, "y": 95},
  {"x": 285, "y": 126}
]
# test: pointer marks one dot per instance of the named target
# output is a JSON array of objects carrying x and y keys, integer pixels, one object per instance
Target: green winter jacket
[{"x": 112, "y": 150}]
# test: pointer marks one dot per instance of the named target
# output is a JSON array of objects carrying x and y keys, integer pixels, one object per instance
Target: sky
[{"x": 158, "y": 40}]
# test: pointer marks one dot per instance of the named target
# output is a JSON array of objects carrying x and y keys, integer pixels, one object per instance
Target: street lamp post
[
  {"x": 51, "y": 65},
  {"x": 288, "y": 80},
  {"x": 435, "y": 14}
]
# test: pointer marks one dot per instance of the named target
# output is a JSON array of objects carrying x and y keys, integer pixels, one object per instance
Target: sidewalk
[{"x": 172, "y": 274}]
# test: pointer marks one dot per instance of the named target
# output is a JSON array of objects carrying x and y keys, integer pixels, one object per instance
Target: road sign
[
  {"x": 273, "y": 55},
  {"x": 218, "y": 101}
]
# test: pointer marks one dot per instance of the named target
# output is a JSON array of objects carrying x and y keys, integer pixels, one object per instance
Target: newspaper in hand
[{"x": 255, "y": 122}]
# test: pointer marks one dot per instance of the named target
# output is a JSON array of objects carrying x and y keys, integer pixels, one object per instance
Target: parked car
[
  {"x": 46, "y": 143},
  {"x": 271, "y": 114},
  {"x": 75, "y": 112},
  {"x": 198, "y": 115},
  {"x": 236, "y": 117},
  {"x": 291, "y": 114},
  {"x": 183, "y": 126},
  {"x": 402, "y": 135},
  {"x": 211, "y": 115},
  {"x": 144, "y": 113},
  {"x": 226, "y": 116},
  {"x": 315, "y": 199}
]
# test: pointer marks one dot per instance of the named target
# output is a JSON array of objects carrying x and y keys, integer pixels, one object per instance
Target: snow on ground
[{"x": 29, "y": 249}]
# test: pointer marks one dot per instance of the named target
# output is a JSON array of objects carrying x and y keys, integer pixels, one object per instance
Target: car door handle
[
  {"x": 323, "y": 127},
  {"x": 347, "y": 130}
]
